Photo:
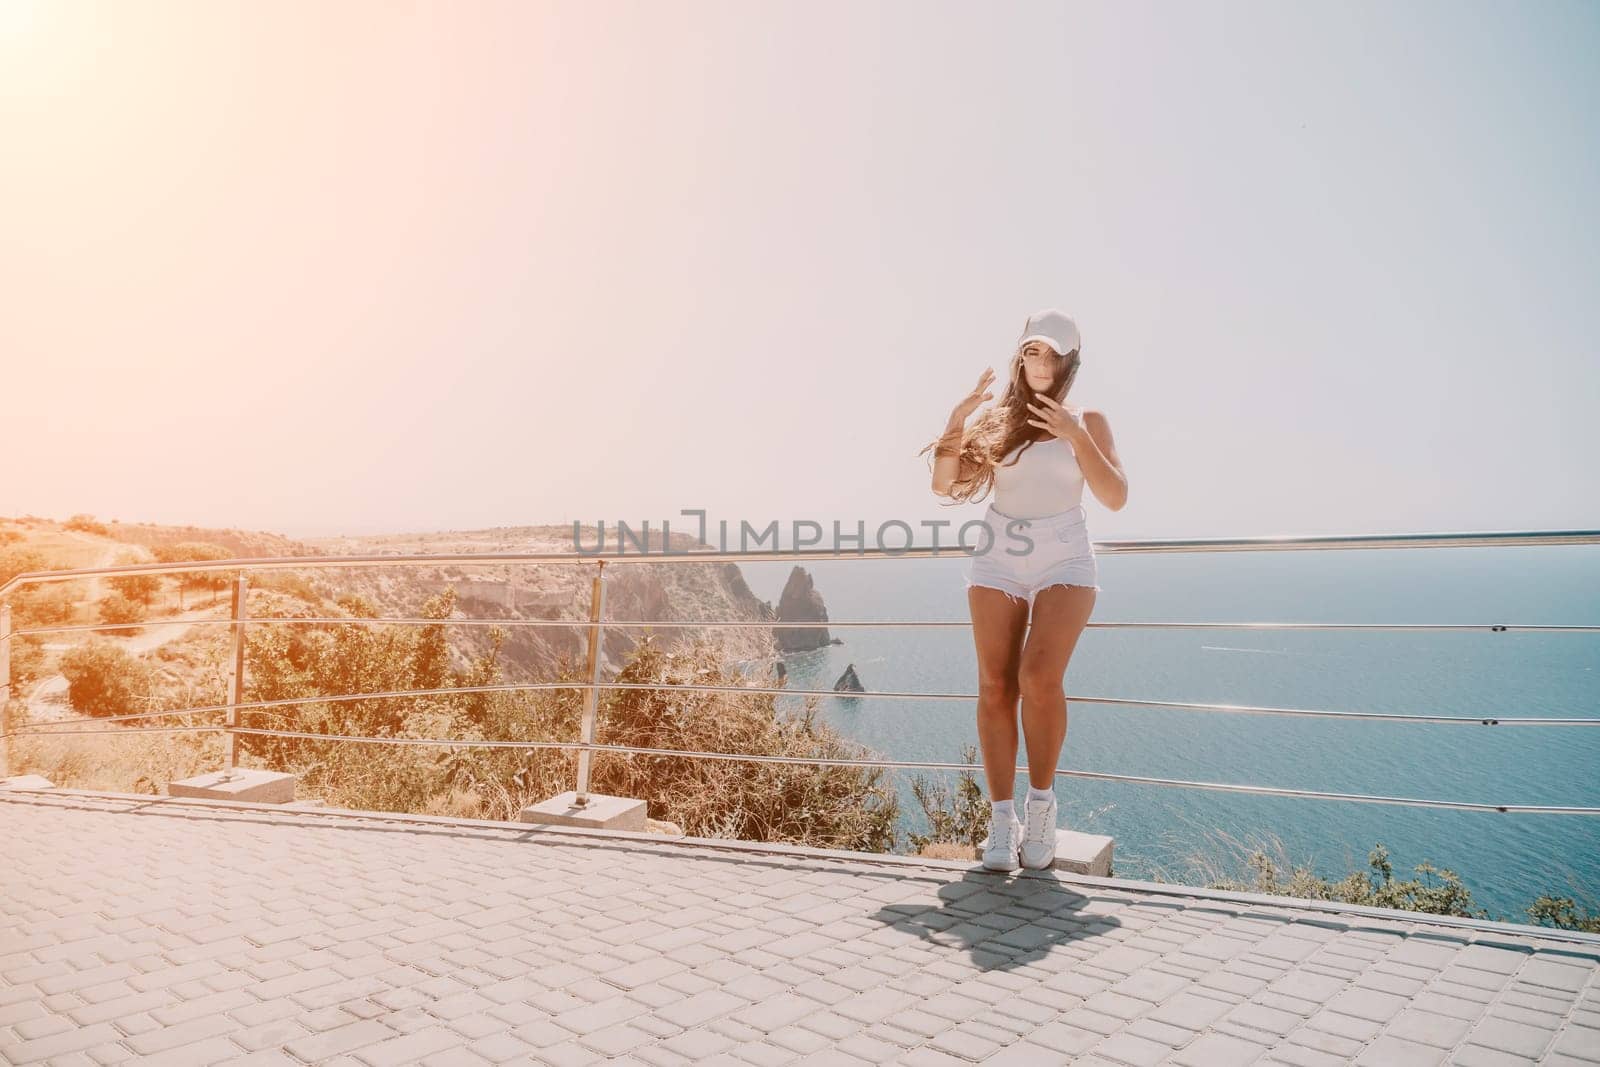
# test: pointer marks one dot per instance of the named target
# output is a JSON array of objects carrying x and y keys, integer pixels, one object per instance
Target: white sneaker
[
  {"x": 1038, "y": 849},
  {"x": 1000, "y": 848}
]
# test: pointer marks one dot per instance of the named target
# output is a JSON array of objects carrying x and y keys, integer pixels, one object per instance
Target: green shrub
[
  {"x": 1434, "y": 891},
  {"x": 289, "y": 582},
  {"x": 137, "y": 587},
  {"x": 1563, "y": 913},
  {"x": 195, "y": 552},
  {"x": 959, "y": 817},
  {"x": 140, "y": 587},
  {"x": 103, "y": 679},
  {"x": 27, "y": 661},
  {"x": 117, "y": 608},
  {"x": 43, "y": 605},
  {"x": 15, "y": 561}
]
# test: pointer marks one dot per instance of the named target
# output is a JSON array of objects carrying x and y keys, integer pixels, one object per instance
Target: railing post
[
  {"x": 592, "y": 694},
  {"x": 236, "y": 669},
  {"x": 5, "y": 690}
]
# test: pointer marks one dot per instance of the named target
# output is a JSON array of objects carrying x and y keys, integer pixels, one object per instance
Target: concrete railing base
[
  {"x": 601, "y": 813},
  {"x": 1077, "y": 853},
  {"x": 244, "y": 783},
  {"x": 27, "y": 781}
]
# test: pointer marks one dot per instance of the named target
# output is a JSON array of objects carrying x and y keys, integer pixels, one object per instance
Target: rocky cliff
[
  {"x": 636, "y": 591},
  {"x": 800, "y": 602}
]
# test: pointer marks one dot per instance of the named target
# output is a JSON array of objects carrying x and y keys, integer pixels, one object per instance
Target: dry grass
[
  {"x": 831, "y": 807},
  {"x": 118, "y": 760}
]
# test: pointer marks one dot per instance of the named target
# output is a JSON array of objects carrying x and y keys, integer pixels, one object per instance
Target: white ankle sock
[
  {"x": 1039, "y": 794},
  {"x": 1003, "y": 809}
]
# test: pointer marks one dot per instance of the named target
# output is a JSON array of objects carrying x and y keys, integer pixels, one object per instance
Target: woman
[{"x": 1037, "y": 453}]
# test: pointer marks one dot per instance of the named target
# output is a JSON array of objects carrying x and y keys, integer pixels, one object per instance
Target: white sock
[
  {"x": 1003, "y": 809},
  {"x": 1039, "y": 794}
]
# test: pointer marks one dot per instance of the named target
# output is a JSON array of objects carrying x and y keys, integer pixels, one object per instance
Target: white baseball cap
[{"x": 1054, "y": 328}]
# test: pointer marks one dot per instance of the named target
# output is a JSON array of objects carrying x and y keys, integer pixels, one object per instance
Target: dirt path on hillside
[
  {"x": 96, "y": 590},
  {"x": 47, "y": 702}
]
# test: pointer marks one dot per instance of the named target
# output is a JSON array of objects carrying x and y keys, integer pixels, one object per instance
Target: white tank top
[{"x": 1046, "y": 480}]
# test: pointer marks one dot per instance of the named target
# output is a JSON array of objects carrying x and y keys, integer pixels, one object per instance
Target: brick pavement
[{"x": 189, "y": 933}]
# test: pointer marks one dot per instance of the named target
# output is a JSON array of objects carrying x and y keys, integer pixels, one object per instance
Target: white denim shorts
[{"x": 1059, "y": 553}]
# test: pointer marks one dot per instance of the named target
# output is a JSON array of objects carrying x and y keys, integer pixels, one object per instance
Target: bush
[
  {"x": 195, "y": 552},
  {"x": 117, "y": 608},
  {"x": 140, "y": 587},
  {"x": 43, "y": 605},
  {"x": 960, "y": 818},
  {"x": 27, "y": 661},
  {"x": 1434, "y": 891},
  {"x": 15, "y": 561},
  {"x": 1563, "y": 913},
  {"x": 839, "y": 807},
  {"x": 34, "y": 605},
  {"x": 359, "y": 606},
  {"x": 102, "y": 679},
  {"x": 87, "y": 524},
  {"x": 291, "y": 583}
]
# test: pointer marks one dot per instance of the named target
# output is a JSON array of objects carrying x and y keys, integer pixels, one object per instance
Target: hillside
[
  {"x": 679, "y": 592},
  {"x": 185, "y": 658},
  {"x": 91, "y": 675}
]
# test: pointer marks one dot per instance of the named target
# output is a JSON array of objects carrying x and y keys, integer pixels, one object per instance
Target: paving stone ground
[{"x": 185, "y": 933}]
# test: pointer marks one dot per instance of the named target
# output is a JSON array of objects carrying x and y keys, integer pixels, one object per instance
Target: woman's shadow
[{"x": 1003, "y": 922}]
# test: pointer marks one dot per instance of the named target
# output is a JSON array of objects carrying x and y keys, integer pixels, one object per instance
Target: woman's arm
[
  {"x": 947, "y": 456},
  {"x": 947, "y": 465},
  {"x": 1097, "y": 458}
]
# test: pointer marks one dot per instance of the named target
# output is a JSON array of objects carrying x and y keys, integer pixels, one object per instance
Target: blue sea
[{"x": 1506, "y": 859}]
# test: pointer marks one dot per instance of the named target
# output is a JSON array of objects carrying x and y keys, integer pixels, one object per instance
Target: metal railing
[{"x": 586, "y": 746}]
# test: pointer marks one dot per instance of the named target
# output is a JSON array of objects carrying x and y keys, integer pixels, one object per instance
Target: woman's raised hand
[{"x": 970, "y": 402}]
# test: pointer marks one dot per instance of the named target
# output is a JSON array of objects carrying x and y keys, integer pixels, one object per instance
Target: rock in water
[
  {"x": 848, "y": 682},
  {"x": 801, "y": 602}
]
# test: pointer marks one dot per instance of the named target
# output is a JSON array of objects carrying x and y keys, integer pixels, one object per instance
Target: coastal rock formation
[
  {"x": 801, "y": 602},
  {"x": 849, "y": 682}
]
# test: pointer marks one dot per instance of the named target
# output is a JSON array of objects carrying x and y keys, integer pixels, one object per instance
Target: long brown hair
[{"x": 1002, "y": 428}]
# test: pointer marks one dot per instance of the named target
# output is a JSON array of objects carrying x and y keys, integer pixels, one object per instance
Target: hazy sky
[{"x": 352, "y": 267}]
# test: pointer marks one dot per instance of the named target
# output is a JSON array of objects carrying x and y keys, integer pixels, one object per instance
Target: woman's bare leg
[
  {"x": 998, "y": 624},
  {"x": 1060, "y": 612}
]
